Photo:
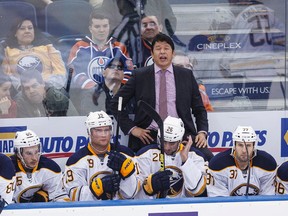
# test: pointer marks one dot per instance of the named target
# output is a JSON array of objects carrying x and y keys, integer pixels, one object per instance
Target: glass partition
[{"x": 236, "y": 49}]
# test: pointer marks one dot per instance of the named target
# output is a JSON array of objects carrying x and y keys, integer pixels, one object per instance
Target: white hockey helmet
[
  {"x": 98, "y": 119},
  {"x": 244, "y": 133},
  {"x": 23, "y": 139},
  {"x": 173, "y": 129},
  {"x": 26, "y": 138},
  {"x": 222, "y": 18}
]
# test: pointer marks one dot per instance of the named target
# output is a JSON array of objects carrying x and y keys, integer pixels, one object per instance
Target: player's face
[
  {"x": 100, "y": 137},
  {"x": 31, "y": 156},
  {"x": 5, "y": 90},
  {"x": 182, "y": 61},
  {"x": 25, "y": 33},
  {"x": 170, "y": 147},
  {"x": 34, "y": 91},
  {"x": 150, "y": 27},
  {"x": 162, "y": 54},
  {"x": 114, "y": 72},
  {"x": 241, "y": 153},
  {"x": 99, "y": 29}
]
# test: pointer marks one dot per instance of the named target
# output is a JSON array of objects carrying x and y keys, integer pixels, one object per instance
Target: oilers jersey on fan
[
  {"x": 45, "y": 178},
  {"x": 187, "y": 180},
  {"x": 89, "y": 61},
  {"x": 225, "y": 178},
  {"x": 282, "y": 179},
  {"x": 84, "y": 166},
  {"x": 7, "y": 178}
]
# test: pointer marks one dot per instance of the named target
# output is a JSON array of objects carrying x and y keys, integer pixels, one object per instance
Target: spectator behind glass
[
  {"x": 113, "y": 76},
  {"x": 150, "y": 27},
  {"x": 182, "y": 59},
  {"x": 8, "y": 107},
  {"x": 118, "y": 10},
  {"x": 88, "y": 57},
  {"x": 27, "y": 48},
  {"x": 35, "y": 101},
  {"x": 125, "y": 17},
  {"x": 261, "y": 41}
]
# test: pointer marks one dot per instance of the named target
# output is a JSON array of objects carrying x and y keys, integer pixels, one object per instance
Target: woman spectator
[
  {"x": 27, "y": 48},
  {"x": 8, "y": 108}
]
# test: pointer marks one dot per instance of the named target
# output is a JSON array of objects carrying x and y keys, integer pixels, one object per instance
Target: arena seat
[
  {"x": 67, "y": 17},
  {"x": 10, "y": 10}
]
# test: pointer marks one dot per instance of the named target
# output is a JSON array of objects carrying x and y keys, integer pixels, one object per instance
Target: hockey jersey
[
  {"x": 7, "y": 178},
  {"x": 259, "y": 29},
  {"x": 89, "y": 61},
  {"x": 188, "y": 179},
  {"x": 47, "y": 176},
  {"x": 282, "y": 179},
  {"x": 84, "y": 166},
  {"x": 45, "y": 58},
  {"x": 225, "y": 178}
]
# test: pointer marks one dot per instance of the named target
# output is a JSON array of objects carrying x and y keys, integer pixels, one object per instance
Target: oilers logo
[
  {"x": 96, "y": 67},
  {"x": 241, "y": 190},
  {"x": 29, "y": 62},
  {"x": 176, "y": 181}
]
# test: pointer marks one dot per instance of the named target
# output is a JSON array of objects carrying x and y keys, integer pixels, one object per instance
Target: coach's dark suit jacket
[{"x": 142, "y": 86}]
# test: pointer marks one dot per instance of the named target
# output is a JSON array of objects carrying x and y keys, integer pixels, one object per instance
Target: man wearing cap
[{"x": 114, "y": 79}]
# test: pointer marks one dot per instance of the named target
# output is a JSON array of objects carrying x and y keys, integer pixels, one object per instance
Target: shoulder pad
[
  {"x": 7, "y": 169},
  {"x": 199, "y": 153},
  {"x": 264, "y": 161},
  {"x": 78, "y": 156},
  {"x": 124, "y": 150},
  {"x": 48, "y": 164},
  {"x": 221, "y": 161},
  {"x": 282, "y": 171},
  {"x": 147, "y": 148}
]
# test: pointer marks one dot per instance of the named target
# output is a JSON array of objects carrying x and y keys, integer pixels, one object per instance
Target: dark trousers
[{"x": 136, "y": 144}]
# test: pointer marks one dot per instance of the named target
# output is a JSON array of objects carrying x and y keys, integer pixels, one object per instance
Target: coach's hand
[
  {"x": 142, "y": 134},
  {"x": 200, "y": 140}
]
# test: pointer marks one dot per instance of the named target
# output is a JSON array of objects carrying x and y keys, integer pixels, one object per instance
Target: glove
[
  {"x": 159, "y": 181},
  {"x": 40, "y": 196},
  {"x": 107, "y": 184},
  {"x": 119, "y": 162},
  {"x": 3, "y": 203}
]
